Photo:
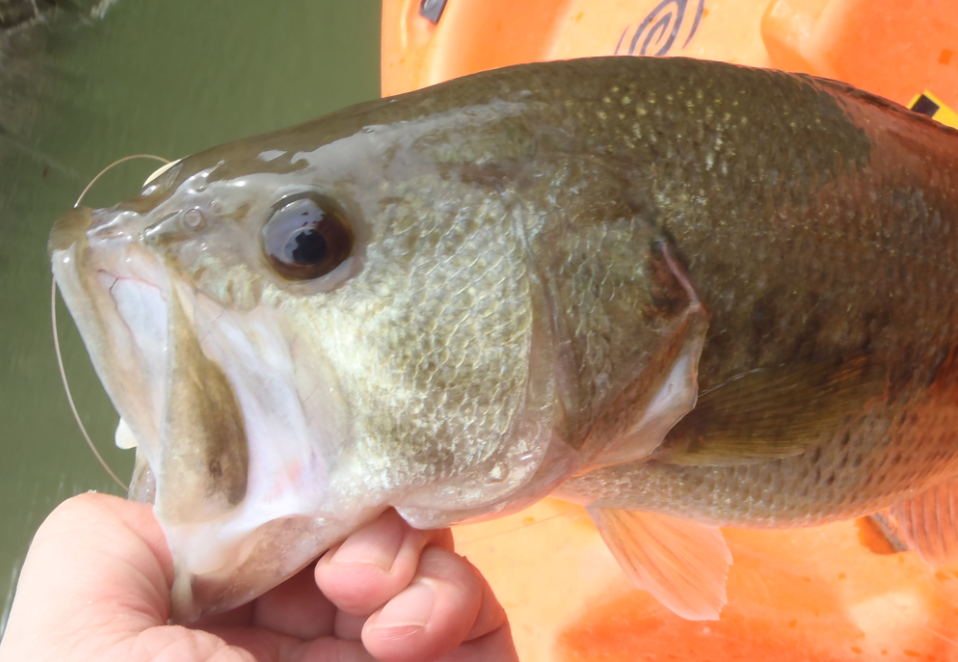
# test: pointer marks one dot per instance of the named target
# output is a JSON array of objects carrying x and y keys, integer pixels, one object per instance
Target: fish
[{"x": 683, "y": 294}]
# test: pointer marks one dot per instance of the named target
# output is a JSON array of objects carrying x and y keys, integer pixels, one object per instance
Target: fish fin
[
  {"x": 772, "y": 413},
  {"x": 880, "y": 533},
  {"x": 683, "y": 564},
  {"x": 928, "y": 523},
  {"x": 665, "y": 391}
]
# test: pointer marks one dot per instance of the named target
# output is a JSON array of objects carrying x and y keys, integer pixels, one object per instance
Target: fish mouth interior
[
  {"x": 142, "y": 306},
  {"x": 145, "y": 328}
]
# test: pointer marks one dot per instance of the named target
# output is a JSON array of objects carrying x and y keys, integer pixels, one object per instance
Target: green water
[{"x": 167, "y": 77}]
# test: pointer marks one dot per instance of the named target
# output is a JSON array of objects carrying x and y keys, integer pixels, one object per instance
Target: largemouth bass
[{"x": 682, "y": 293}]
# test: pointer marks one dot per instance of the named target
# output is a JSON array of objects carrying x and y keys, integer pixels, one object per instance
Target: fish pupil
[
  {"x": 307, "y": 247},
  {"x": 306, "y": 237}
]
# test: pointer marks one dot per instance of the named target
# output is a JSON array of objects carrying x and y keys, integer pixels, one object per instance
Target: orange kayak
[
  {"x": 836, "y": 592},
  {"x": 894, "y": 48},
  {"x": 823, "y": 593}
]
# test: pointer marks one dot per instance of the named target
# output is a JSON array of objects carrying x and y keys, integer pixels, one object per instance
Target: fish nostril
[{"x": 194, "y": 218}]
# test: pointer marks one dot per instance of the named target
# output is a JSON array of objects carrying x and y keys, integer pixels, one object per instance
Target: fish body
[{"x": 683, "y": 293}]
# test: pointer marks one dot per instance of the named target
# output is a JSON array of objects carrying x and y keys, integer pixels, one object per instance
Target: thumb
[{"x": 95, "y": 584}]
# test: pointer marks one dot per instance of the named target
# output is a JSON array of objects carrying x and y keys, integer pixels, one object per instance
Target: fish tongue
[{"x": 684, "y": 565}]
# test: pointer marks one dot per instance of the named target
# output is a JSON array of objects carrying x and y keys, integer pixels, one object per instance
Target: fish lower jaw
[{"x": 221, "y": 565}]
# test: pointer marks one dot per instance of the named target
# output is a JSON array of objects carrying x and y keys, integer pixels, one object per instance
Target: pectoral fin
[
  {"x": 684, "y": 565},
  {"x": 772, "y": 413},
  {"x": 928, "y": 523}
]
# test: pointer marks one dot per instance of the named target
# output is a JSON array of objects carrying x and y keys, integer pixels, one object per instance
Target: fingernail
[
  {"x": 408, "y": 611},
  {"x": 376, "y": 544}
]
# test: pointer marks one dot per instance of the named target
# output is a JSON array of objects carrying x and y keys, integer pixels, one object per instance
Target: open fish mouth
[
  {"x": 239, "y": 509},
  {"x": 272, "y": 417}
]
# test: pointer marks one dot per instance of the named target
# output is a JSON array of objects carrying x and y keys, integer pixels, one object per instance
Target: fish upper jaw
[{"x": 116, "y": 293}]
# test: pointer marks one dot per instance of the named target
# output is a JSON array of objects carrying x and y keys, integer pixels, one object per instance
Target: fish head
[
  {"x": 447, "y": 303},
  {"x": 302, "y": 329}
]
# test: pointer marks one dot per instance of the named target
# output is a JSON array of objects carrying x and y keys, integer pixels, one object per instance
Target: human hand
[{"x": 96, "y": 586}]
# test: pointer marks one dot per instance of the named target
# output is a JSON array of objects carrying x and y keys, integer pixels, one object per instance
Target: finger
[
  {"x": 496, "y": 645},
  {"x": 491, "y": 614},
  {"x": 242, "y": 615},
  {"x": 328, "y": 649},
  {"x": 492, "y": 617},
  {"x": 97, "y": 578},
  {"x": 97, "y": 546},
  {"x": 296, "y": 608},
  {"x": 446, "y": 603},
  {"x": 169, "y": 643},
  {"x": 265, "y": 646},
  {"x": 375, "y": 563},
  {"x": 348, "y": 627}
]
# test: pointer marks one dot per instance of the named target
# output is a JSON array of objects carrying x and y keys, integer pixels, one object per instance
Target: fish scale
[{"x": 682, "y": 293}]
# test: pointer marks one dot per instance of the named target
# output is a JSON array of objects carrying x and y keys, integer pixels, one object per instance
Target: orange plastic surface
[
  {"x": 895, "y": 48},
  {"x": 794, "y": 595}
]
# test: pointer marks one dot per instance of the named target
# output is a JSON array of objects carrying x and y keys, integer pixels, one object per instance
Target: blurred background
[{"x": 81, "y": 85}]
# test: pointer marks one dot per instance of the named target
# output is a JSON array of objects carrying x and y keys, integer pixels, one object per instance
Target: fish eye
[{"x": 306, "y": 237}]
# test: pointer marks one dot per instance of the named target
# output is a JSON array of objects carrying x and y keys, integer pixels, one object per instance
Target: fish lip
[
  {"x": 97, "y": 259},
  {"x": 68, "y": 229}
]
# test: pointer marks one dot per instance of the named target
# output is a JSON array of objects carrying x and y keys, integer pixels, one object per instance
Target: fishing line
[
  {"x": 56, "y": 335},
  {"x": 111, "y": 166}
]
